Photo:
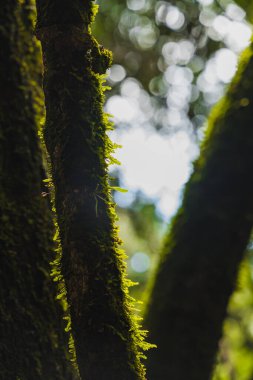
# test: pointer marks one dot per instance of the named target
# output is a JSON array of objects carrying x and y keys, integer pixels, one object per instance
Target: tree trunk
[
  {"x": 206, "y": 243},
  {"x": 32, "y": 344},
  {"x": 105, "y": 334}
]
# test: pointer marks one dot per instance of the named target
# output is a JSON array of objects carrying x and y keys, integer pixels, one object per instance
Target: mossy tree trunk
[
  {"x": 206, "y": 242},
  {"x": 32, "y": 340},
  {"x": 106, "y": 337}
]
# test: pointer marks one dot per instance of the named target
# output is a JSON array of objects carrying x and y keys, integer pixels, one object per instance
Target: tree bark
[
  {"x": 105, "y": 334},
  {"x": 206, "y": 242},
  {"x": 33, "y": 343}
]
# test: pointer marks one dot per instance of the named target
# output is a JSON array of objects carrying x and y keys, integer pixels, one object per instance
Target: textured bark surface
[
  {"x": 106, "y": 337},
  {"x": 32, "y": 340},
  {"x": 206, "y": 243}
]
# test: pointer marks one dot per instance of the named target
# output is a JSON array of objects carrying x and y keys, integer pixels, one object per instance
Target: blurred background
[{"x": 172, "y": 63}]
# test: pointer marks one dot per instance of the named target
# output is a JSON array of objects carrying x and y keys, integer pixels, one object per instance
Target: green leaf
[{"x": 116, "y": 188}]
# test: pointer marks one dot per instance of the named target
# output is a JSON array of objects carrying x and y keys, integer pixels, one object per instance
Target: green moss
[
  {"x": 32, "y": 340},
  {"x": 107, "y": 337}
]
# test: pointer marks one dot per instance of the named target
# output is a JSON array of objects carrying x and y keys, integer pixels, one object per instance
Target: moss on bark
[
  {"x": 206, "y": 243},
  {"x": 106, "y": 336},
  {"x": 32, "y": 344}
]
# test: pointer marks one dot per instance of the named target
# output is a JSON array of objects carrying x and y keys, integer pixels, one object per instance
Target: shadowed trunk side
[
  {"x": 33, "y": 344},
  {"x": 206, "y": 242}
]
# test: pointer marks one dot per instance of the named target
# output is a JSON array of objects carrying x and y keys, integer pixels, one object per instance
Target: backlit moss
[{"x": 108, "y": 340}]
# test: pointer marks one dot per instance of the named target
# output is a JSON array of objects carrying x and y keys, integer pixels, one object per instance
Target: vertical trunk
[
  {"x": 33, "y": 344},
  {"x": 206, "y": 243},
  {"x": 105, "y": 335}
]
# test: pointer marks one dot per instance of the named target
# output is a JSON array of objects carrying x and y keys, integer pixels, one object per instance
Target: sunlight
[
  {"x": 226, "y": 65},
  {"x": 156, "y": 165},
  {"x": 140, "y": 262}
]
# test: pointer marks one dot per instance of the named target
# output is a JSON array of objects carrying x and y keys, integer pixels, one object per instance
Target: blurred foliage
[
  {"x": 167, "y": 67},
  {"x": 165, "y": 47},
  {"x": 236, "y": 347},
  {"x": 248, "y": 7},
  {"x": 141, "y": 230}
]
